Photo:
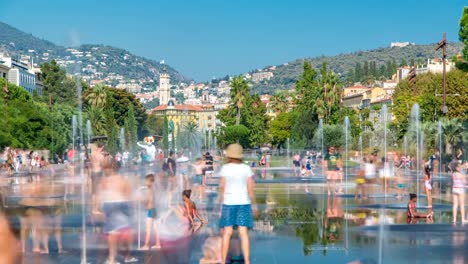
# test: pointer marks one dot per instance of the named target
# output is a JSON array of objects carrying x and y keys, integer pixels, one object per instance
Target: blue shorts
[
  {"x": 236, "y": 215},
  {"x": 197, "y": 179},
  {"x": 117, "y": 216},
  {"x": 151, "y": 213}
]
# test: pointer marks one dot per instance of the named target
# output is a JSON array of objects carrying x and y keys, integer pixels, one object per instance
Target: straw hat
[{"x": 234, "y": 151}]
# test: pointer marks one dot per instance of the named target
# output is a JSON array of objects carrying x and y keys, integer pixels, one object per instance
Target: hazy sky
[{"x": 212, "y": 38}]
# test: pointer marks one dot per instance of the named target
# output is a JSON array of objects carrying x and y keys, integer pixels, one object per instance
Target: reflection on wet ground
[{"x": 299, "y": 223}]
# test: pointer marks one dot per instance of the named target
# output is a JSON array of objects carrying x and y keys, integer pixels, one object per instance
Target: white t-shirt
[{"x": 235, "y": 188}]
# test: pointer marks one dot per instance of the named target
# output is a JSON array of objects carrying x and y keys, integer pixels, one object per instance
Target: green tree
[
  {"x": 96, "y": 96},
  {"x": 454, "y": 134},
  {"x": 239, "y": 91},
  {"x": 57, "y": 86},
  {"x": 131, "y": 129},
  {"x": 154, "y": 125},
  {"x": 358, "y": 72},
  {"x": 463, "y": 37},
  {"x": 112, "y": 132},
  {"x": 152, "y": 104},
  {"x": 256, "y": 120},
  {"x": 165, "y": 139},
  {"x": 279, "y": 102},
  {"x": 365, "y": 70},
  {"x": 190, "y": 138},
  {"x": 373, "y": 70},
  {"x": 234, "y": 134},
  {"x": 98, "y": 120},
  {"x": 280, "y": 128},
  {"x": 120, "y": 102}
]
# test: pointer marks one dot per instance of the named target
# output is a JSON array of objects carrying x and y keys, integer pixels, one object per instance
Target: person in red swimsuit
[{"x": 411, "y": 211}]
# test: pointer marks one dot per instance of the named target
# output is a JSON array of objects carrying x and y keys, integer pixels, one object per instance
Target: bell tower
[{"x": 164, "y": 91}]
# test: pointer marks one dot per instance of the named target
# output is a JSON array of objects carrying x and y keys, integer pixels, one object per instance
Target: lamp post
[
  {"x": 443, "y": 45},
  {"x": 6, "y": 101}
]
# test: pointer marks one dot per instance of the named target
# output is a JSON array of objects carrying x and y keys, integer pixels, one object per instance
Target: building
[
  {"x": 164, "y": 88},
  {"x": 260, "y": 76},
  {"x": 371, "y": 96},
  {"x": 402, "y": 73},
  {"x": 203, "y": 115},
  {"x": 4, "y": 71},
  {"x": 436, "y": 66},
  {"x": 129, "y": 87},
  {"x": 21, "y": 74},
  {"x": 353, "y": 100},
  {"x": 400, "y": 44},
  {"x": 355, "y": 89}
]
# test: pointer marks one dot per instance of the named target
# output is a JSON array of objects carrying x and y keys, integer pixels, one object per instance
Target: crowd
[{"x": 180, "y": 184}]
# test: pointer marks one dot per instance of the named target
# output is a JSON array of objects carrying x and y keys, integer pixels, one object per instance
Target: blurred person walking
[{"x": 236, "y": 192}]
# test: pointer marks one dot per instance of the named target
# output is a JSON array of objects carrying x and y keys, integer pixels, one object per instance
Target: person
[
  {"x": 125, "y": 157},
  {"x": 303, "y": 171},
  {"x": 309, "y": 167},
  {"x": 209, "y": 165},
  {"x": 43, "y": 208},
  {"x": 114, "y": 197},
  {"x": 197, "y": 178},
  {"x": 333, "y": 165},
  {"x": 8, "y": 242},
  {"x": 458, "y": 193},
  {"x": 263, "y": 161},
  {"x": 190, "y": 209},
  {"x": 459, "y": 154},
  {"x": 360, "y": 181},
  {"x": 411, "y": 211},
  {"x": 97, "y": 157},
  {"x": 236, "y": 193},
  {"x": 297, "y": 163},
  {"x": 151, "y": 214},
  {"x": 211, "y": 249},
  {"x": 171, "y": 164},
  {"x": 428, "y": 185},
  {"x": 268, "y": 159}
]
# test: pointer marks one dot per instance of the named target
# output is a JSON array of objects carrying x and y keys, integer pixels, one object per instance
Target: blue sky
[{"x": 212, "y": 38}]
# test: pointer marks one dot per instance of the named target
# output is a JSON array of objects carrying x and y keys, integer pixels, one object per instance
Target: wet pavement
[{"x": 299, "y": 223}]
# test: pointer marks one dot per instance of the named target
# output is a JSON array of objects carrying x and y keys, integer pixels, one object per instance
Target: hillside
[
  {"x": 94, "y": 62},
  {"x": 284, "y": 76}
]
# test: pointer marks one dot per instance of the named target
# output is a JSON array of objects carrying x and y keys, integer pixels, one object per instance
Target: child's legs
[
  {"x": 461, "y": 196},
  {"x": 455, "y": 207},
  {"x": 149, "y": 223},
  {"x": 156, "y": 232}
]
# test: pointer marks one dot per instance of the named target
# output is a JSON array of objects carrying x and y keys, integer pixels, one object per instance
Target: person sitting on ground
[
  {"x": 186, "y": 213},
  {"x": 190, "y": 208},
  {"x": 412, "y": 211}
]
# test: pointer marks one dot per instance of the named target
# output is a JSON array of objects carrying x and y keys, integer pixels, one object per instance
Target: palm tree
[
  {"x": 239, "y": 91},
  {"x": 190, "y": 137},
  {"x": 453, "y": 133},
  {"x": 279, "y": 102},
  {"x": 97, "y": 96},
  {"x": 331, "y": 85},
  {"x": 98, "y": 120}
]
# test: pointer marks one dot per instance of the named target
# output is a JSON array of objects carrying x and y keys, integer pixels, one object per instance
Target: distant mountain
[
  {"x": 285, "y": 76},
  {"x": 94, "y": 62}
]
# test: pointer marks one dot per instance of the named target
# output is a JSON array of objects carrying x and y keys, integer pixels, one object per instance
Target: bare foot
[
  {"x": 144, "y": 248},
  {"x": 157, "y": 246},
  {"x": 45, "y": 251}
]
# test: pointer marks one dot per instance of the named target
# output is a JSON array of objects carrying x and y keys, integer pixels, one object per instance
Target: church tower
[{"x": 164, "y": 91}]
